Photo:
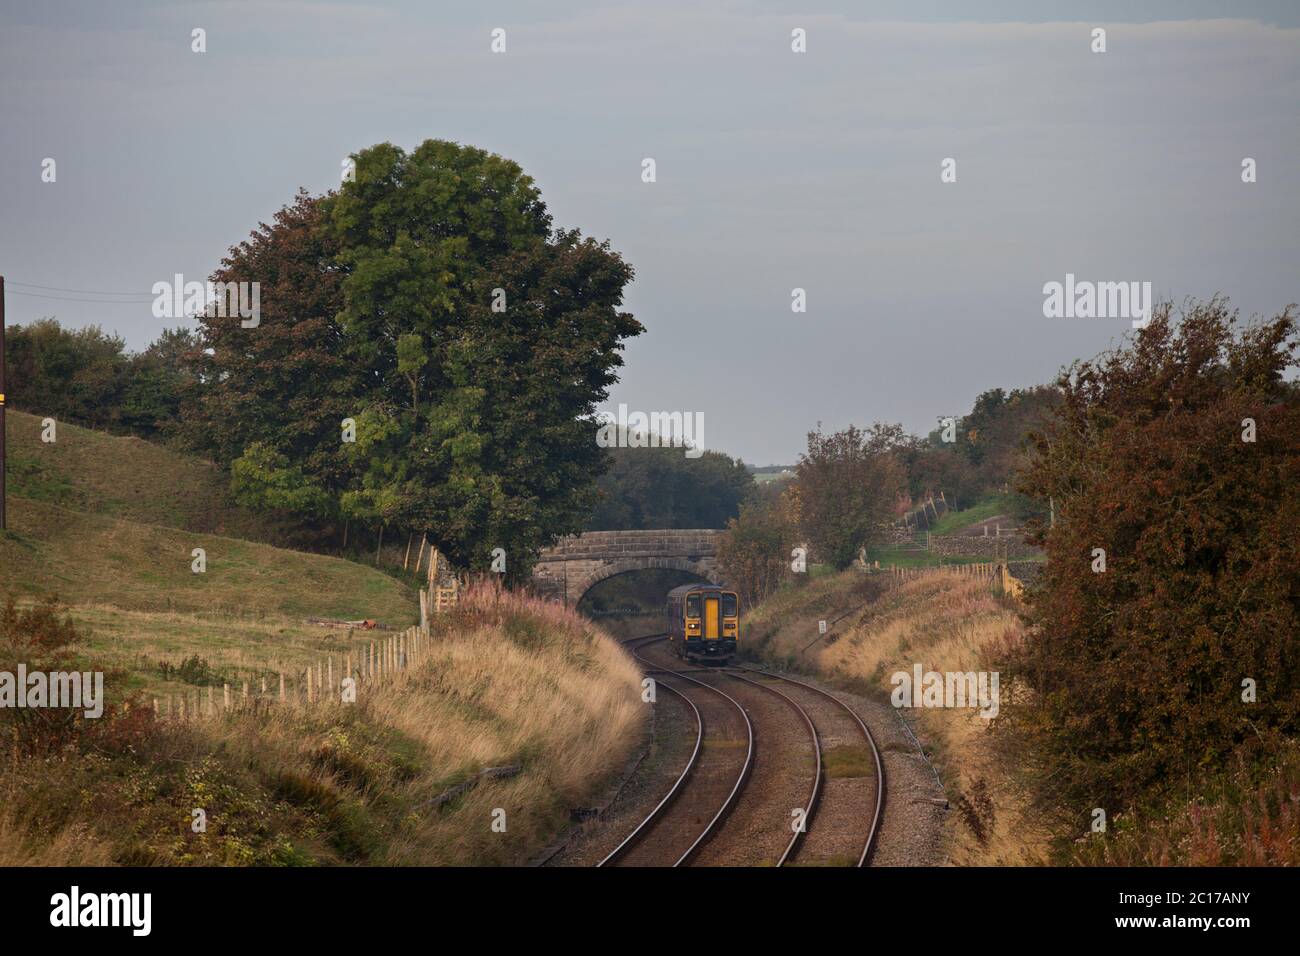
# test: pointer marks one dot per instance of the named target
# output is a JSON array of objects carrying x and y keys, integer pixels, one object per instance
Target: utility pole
[{"x": 2, "y": 403}]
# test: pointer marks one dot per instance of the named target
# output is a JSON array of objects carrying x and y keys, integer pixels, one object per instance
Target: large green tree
[
  {"x": 659, "y": 487},
  {"x": 270, "y": 400},
  {"x": 431, "y": 301},
  {"x": 848, "y": 485}
]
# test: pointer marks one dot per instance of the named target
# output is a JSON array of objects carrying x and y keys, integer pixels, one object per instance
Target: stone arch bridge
[{"x": 566, "y": 571}]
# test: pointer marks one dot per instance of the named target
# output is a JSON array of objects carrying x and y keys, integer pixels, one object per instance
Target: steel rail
[
  {"x": 813, "y": 798},
  {"x": 639, "y": 833},
  {"x": 870, "y": 843},
  {"x": 630, "y": 840}
]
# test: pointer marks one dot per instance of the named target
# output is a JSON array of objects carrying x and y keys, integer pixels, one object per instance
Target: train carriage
[{"x": 703, "y": 622}]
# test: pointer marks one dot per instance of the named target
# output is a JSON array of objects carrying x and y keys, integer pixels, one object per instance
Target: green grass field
[
  {"x": 109, "y": 526},
  {"x": 953, "y": 522},
  {"x": 905, "y": 558},
  {"x": 122, "y": 477}
]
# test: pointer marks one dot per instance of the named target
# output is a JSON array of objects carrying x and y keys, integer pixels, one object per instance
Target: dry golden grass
[
  {"x": 508, "y": 681},
  {"x": 569, "y": 710},
  {"x": 109, "y": 523},
  {"x": 73, "y": 845},
  {"x": 945, "y": 623}
]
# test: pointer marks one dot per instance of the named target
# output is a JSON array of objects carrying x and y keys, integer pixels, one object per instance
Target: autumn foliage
[
  {"x": 429, "y": 356},
  {"x": 755, "y": 553},
  {"x": 1177, "y": 456},
  {"x": 849, "y": 483}
]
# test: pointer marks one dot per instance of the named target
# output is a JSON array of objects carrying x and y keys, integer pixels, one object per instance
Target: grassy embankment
[
  {"x": 109, "y": 524},
  {"x": 945, "y": 623},
  {"x": 949, "y": 523},
  {"x": 955, "y": 522},
  {"x": 1232, "y": 816}
]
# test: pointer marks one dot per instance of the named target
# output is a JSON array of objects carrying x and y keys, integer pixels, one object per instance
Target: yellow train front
[{"x": 703, "y": 622}]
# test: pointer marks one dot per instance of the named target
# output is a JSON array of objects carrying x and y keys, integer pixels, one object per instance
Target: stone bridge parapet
[{"x": 566, "y": 571}]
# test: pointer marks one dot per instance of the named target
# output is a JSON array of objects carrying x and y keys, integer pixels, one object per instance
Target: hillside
[
  {"x": 109, "y": 525},
  {"x": 123, "y": 477},
  {"x": 371, "y": 783},
  {"x": 91, "y": 559}
]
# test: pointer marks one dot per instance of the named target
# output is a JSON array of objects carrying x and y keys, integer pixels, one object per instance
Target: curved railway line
[
  {"x": 844, "y": 805},
  {"x": 835, "y": 720},
  {"x": 659, "y": 838}
]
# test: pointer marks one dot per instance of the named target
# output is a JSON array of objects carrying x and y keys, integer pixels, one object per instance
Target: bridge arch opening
[
  {"x": 632, "y": 600},
  {"x": 574, "y": 565}
]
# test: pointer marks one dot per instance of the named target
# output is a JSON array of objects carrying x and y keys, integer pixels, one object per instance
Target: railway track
[
  {"x": 846, "y": 796},
  {"x": 846, "y": 793},
  {"x": 671, "y": 834}
]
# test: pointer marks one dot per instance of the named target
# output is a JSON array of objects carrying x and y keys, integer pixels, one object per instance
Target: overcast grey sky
[{"x": 775, "y": 170}]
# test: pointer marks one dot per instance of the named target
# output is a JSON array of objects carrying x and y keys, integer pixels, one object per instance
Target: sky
[{"x": 774, "y": 171}]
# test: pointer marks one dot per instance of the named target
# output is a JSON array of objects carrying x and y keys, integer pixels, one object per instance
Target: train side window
[
  {"x": 692, "y": 605},
  {"x": 728, "y": 605}
]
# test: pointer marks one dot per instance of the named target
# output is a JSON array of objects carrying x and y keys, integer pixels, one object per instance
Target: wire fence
[{"x": 333, "y": 678}]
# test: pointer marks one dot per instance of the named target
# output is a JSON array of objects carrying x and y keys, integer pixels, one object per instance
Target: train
[{"x": 703, "y": 622}]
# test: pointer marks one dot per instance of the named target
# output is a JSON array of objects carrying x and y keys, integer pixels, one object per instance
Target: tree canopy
[
  {"x": 431, "y": 302},
  {"x": 849, "y": 483},
  {"x": 1165, "y": 628},
  {"x": 648, "y": 488},
  {"x": 86, "y": 376}
]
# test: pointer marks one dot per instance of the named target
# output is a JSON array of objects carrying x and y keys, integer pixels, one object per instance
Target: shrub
[{"x": 1136, "y": 673}]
